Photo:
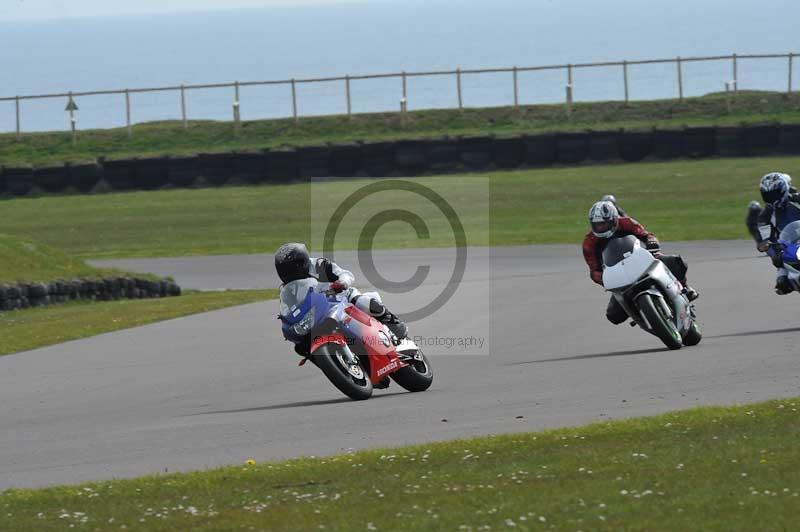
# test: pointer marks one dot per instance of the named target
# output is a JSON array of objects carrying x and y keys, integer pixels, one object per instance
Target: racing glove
[
  {"x": 653, "y": 246},
  {"x": 338, "y": 286},
  {"x": 597, "y": 276}
]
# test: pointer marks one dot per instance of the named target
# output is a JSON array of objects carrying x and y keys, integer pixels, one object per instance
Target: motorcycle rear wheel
[
  {"x": 326, "y": 359},
  {"x": 662, "y": 327},
  {"x": 417, "y": 376}
]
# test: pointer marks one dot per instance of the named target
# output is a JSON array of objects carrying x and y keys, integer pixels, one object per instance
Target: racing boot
[
  {"x": 382, "y": 314},
  {"x": 783, "y": 286}
]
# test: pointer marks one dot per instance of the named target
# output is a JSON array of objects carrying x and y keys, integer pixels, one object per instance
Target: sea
[{"x": 384, "y": 36}]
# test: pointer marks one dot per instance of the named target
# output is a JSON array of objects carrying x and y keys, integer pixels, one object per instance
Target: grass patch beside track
[
  {"x": 31, "y": 262},
  {"x": 683, "y": 200},
  {"x": 28, "y": 329},
  {"x": 161, "y": 138},
  {"x": 703, "y": 469}
]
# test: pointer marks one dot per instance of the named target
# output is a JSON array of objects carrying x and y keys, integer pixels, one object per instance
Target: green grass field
[
  {"x": 522, "y": 207},
  {"x": 27, "y": 329},
  {"x": 723, "y": 469},
  {"x": 207, "y": 136},
  {"x": 22, "y": 260}
]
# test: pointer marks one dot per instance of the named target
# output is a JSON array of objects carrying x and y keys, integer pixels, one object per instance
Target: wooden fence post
[
  {"x": 791, "y": 57},
  {"x": 680, "y": 78},
  {"x": 349, "y": 99},
  {"x": 183, "y": 107},
  {"x": 237, "y": 110},
  {"x": 19, "y": 121},
  {"x": 294, "y": 100},
  {"x": 625, "y": 75},
  {"x": 128, "y": 112},
  {"x": 72, "y": 122},
  {"x": 735, "y": 74},
  {"x": 460, "y": 96},
  {"x": 569, "y": 90},
  {"x": 516, "y": 88}
]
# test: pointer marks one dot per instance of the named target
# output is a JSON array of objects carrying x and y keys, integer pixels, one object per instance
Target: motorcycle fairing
[
  {"x": 377, "y": 342},
  {"x": 632, "y": 267}
]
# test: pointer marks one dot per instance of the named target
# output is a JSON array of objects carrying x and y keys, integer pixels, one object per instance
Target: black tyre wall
[{"x": 18, "y": 181}]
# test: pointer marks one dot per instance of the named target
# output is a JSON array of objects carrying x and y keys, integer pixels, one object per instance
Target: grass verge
[
  {"x": 525, "y": 207},
  {"x": 28, "y": 329},
  {"x": 30, "y": 262},
  {"x": 208, "y": 136},
  {"x": 703, "y": 469}
]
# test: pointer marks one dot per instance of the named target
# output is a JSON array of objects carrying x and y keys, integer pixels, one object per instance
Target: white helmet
[
  {"x": 604, "y": 219},
  {"x": 775, "y": 188}
]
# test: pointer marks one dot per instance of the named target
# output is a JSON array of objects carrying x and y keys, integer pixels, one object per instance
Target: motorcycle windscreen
[
  {"x": 629, "y": 270},
  {"x": 293, "y": 294},
  {"x": 791, "y": 233},
  {"x": 618, "y": 249}
]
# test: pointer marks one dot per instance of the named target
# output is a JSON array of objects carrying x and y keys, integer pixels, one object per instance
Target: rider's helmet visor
[
  {"x": 772, "y": 196},
  {"x": 602, "y": 227}
]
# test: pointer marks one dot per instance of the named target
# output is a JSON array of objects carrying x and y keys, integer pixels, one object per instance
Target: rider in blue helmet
[{"x": 781, "y": 207}]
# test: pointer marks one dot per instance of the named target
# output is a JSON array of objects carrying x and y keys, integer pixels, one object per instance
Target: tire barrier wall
[
  {"x": 400, "y": 158},
  {"x": 25, "y": 295}
]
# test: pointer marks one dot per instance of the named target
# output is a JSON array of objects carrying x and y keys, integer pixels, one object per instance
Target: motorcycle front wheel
[
  {"x": 662, "y": 326},
  {"x": 693, "y": 335},
  {"x": 417, "y": 376},
  {"x": 351, "y": 380}
]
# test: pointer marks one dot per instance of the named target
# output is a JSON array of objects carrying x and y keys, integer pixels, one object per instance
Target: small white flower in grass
[
  {"x": 510, "y": 523},
  {"x": 679, "y": 466},
  {"x": 744, "y": 474},
  {"x": 623, "y": 492},
  {"x": 370, "y": 526},
  {"x": 542, "y": 518}
]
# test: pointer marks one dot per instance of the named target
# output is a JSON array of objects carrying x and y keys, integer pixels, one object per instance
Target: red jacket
[{"x": 593, "y": 245}]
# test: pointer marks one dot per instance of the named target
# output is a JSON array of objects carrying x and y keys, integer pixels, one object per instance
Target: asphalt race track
[{"x": 223, "y": 387}]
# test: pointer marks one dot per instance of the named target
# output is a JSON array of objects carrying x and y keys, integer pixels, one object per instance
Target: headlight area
[{"x": 304, "y": 326}]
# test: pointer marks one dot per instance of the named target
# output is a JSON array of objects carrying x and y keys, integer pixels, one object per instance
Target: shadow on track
[
  {"x": 299, "y": 404},
  {"x": 596, "y": 355},
  {"x": 757, "y": 333}
]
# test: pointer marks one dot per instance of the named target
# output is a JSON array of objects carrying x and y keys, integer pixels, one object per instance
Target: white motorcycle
[{"x": 649, "y": 293}]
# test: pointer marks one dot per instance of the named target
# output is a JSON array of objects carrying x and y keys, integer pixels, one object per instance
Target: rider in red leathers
[{"x": 606, "y": 222}]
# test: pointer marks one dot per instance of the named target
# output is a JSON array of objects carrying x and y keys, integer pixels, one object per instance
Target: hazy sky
[{"x": 49, "y": 9}]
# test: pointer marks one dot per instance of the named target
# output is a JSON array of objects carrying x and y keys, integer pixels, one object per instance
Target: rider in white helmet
[{"x": 607, "y": 222}]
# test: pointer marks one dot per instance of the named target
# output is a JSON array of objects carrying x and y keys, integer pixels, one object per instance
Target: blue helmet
[{"x": 775, "y": 188}]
